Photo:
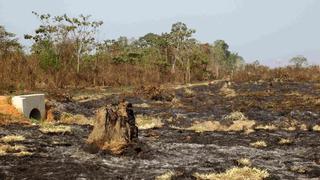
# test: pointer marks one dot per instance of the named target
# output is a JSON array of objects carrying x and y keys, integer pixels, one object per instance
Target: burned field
[{"x": 184, "y": 133}]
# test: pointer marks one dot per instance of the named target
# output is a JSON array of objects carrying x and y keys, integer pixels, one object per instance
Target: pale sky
[{"x": 270, "y": 31}]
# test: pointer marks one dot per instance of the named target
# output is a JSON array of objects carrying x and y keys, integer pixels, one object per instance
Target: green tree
[
  {"x": 80, "y": 31},
  {"x": 8, "y": 43},
  {"x": 223, "y": 58},
  {"x": 299, "y": 61},
  {"x": 180, "y": 40}
]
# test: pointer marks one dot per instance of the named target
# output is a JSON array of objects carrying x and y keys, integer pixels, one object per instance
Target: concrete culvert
[{"x": 35, "y": 114}]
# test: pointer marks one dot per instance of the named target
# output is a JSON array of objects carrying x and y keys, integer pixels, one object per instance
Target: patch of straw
[
  {"x": 259, "y": 144},
  {"x": 166, "y": 176},
  {"x": 236, "y": 173},
  {"x": 12, "y": 138}
]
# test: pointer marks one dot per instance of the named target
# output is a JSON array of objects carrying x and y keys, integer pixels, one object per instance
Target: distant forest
[{"x": 65, "y": 53}]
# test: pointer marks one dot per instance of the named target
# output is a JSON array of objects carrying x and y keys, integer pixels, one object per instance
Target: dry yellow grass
[
  {"x": 166, "y": 176},
  {"x": 207, "y": 126},
  {"x": 54, "y": 129},
  {"x": 292, "y": 128},
  {"x": 188, "y": 92},
  {"x": 299, "y": 169},
  {"x": 12, "y": 138},
  {"x": 148, "y": 122},
  {"x": 316, "y": 128},
  {"x": 304, "y": 127},
  {"x": 68, "y": 118},
  {"x": 269, "y": 127},
  {"x": 284, "y": 141},
  {"x": 238, "y": 123},
  {"x": 235, "y": 116},
  {"x": 241, "y": 125},
  {"x": 244, "y": 162},
  {"x": 143, "y": 105},
  {"x": 259, "y": 144},
  {"x": 176, "y": 103},
  {"x": 16, "y": 150},
  {"x": 236, "y": 173}
]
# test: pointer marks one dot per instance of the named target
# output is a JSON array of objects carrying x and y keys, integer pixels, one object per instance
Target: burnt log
[{"x": 114, "y": 128}]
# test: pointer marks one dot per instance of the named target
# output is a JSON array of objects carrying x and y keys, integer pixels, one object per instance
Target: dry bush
[
  {"x": 289, "y": 73},
  {"x": 236, "y": 173},
  {"x": 6, "y": 119},
  {"x": 148, "y": 122}
]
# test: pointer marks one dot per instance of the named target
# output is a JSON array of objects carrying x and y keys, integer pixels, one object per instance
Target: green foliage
[
  {"x": 299, "y": 61},
  {"x": 49, "y": 60},
  {"x": 229, "y": 60},
  {"x": 61, "y": 30},
  {"x": 8, "y": 43}
]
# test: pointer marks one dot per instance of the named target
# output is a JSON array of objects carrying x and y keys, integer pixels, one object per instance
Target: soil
[{"x": 65, "y": 156}]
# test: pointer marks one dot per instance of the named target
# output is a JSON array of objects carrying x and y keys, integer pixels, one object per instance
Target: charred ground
[{"x": 292, "y": 107}]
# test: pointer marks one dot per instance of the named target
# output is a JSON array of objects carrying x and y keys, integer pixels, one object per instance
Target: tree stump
[{"x": 114, "y": 128}]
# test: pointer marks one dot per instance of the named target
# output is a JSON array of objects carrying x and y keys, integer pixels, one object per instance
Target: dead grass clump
[
  {"x": 16, "y": 150},
  {"x": 166, "y": 176},
  {"x": 148, "y": 122},
  {"x": 299, "y": 169},
  {"x": 304, "y": 127},
  {"x": 244, "y": 162},
  {"x": 316, "y": 128},
  {"x": 49, "y": 128},
  {"x": 67, "y": 118},
  {"x": 240, "y": 125},
  {"x": 176, "y": 103},
  {"x": 235, "y": 116},
  {"x": 239, "y": 122},
  {"x": 289, "y": 124},
  {"x": 227, "y": 92},
  {"x": 188, "y": 92},
  {"x": 143, "y": 105},
  {"x": 207, "y": 126},
  {"x": 12, "y": 138},
  {"x": 236, "y": 173},
  {"x": 268, "y": 127},
  {"x": 235, "y": 121},
  {"x": 259, "y": 144},
  {"x": 284, "y": 141}
]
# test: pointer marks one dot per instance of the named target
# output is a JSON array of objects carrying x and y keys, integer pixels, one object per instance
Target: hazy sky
[{"x": 271, "y": 31}]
